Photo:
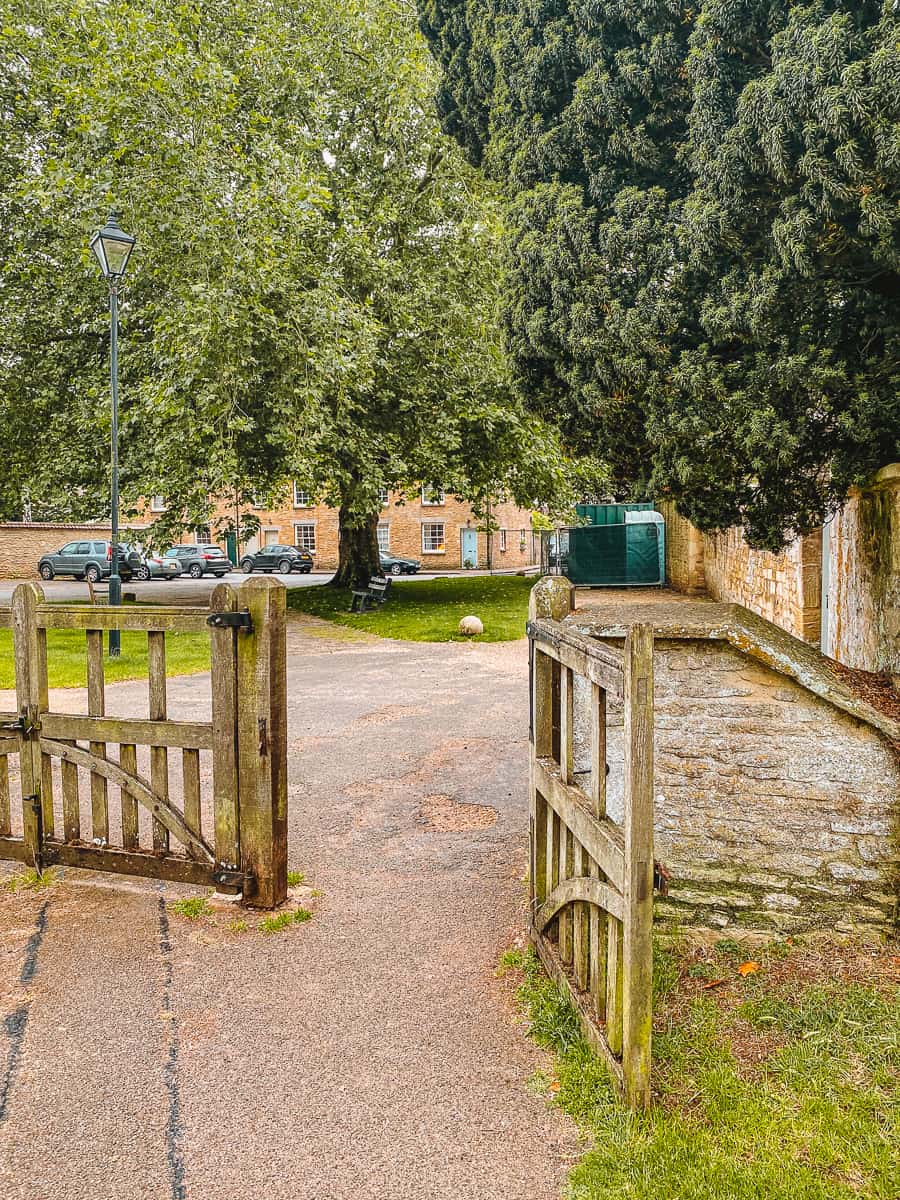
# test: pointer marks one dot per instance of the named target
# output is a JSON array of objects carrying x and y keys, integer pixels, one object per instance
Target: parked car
[
  {"x": 201, "y": 560},
  {"x": 391, "y": 565},
  {"x": 88, "y": 560},
  {"x": 156, "y": 566},
  {"x": 283, "y": 559}
]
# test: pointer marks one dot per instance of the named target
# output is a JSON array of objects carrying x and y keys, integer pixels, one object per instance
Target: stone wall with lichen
[
  {"x": 863, "y": 627},
  {"x": 774, "y": 809}
]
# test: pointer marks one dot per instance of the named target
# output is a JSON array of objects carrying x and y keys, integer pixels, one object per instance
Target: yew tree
[{"x": 703, "y": 202}]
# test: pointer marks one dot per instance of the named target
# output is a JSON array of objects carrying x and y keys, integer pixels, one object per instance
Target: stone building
[
  {"x": 430, "y": 525},
  {"x": 838, "y": 588}
]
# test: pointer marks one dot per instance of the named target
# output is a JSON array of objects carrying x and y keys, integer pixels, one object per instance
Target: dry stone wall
[{"x": 775, "y": 810}]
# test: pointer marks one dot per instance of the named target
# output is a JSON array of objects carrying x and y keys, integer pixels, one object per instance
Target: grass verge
[
  {"x": 429, "y": 610},
  {"x": 186, "y": 654},
  {"x": 780, "y": 1084}
]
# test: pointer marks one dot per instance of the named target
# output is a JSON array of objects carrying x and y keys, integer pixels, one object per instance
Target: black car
[
  {"x": 198, "y": 561},
  {"x": 88, "y": 560},
  {"x": 283, "y": 559},
  {"x": 392, "y": 565}
]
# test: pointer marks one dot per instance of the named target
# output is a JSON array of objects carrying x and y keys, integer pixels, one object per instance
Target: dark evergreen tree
[{"x": 703, "y": 249}]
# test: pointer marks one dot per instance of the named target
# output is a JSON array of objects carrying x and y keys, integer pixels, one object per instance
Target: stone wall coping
[
  {"x": 95, "y": 526},
  {"x": 708, "y": 620}
]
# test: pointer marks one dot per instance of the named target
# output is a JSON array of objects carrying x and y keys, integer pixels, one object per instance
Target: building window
[
  {"x": 202, "y": 535},
  {"x": 157, "y": 504},
  {"x": 432, "y": 495},
  {"x": 305, "y": 536},
  {"x": 270, "y": 537},
  {"x": 384, "y": 537},
  {"x": 383, "y": 497},
  {"x": 301, "y": 498},
  {"x": 258, "y": 501},
  {"x": 433, "y": 537},
  {"x": 502, "y": 541},
  {"x": 522, "y": 542}
]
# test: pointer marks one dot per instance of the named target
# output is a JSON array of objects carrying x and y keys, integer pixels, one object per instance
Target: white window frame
[
  {"x": 298, "y": 525},
  {"x": 384, "y": 544},
  {"x": 435, "y": 491},
  {"x": 502, "y": 533},
  {"x": 298, "y": 494},
  {"x": 442, "y": 548},
  {"x": 202, "y": 541},
  {"x": 383, "y": 497},
  {"x": 158, "y": 504}
]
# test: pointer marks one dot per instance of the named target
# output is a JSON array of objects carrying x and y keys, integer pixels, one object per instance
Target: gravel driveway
[{"x": 371, "y": 1053}]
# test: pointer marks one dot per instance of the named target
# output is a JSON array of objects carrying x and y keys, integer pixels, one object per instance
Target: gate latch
[
  {"x": 23, "y": 725},
  {"x": 231, "y": 620}
]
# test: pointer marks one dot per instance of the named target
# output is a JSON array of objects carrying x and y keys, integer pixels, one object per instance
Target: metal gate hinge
[
  {"x": 23, "y": 725},
  {"x": 231, "y": 620},
  {"x": 227, "y": 876}
]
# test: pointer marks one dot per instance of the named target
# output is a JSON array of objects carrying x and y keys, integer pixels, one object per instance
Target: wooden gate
[
  {"x": 592, "y": 879},
  {"x": 225, "y": 808}
]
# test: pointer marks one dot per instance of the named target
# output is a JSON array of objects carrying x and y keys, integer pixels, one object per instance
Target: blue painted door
[{"x": 469, "y": 541}]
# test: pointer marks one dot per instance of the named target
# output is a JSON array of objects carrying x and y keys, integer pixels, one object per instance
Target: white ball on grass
[{"x": 470, "y": 626}]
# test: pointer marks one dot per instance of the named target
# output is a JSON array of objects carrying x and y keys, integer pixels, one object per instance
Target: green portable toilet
[{"x": 627, "y": 553}]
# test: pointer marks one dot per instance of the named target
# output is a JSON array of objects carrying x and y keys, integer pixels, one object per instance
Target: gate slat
[
  {"x": 614, "y": 984},
  {"x": 5, "y": 824},
  {"x": 223, "y": 668},
  {"x": 97, "y": 708},
  {"x": 131, "y": 836},
  {"x": 190, "y": 772},
  {"x": 159, "y": 755},
  {"x": 580, "y": 942},
  {"x": 71, "y": 806}
]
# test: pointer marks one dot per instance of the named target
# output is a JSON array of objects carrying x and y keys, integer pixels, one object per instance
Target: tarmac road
[{"x": 371, "y": 1053}]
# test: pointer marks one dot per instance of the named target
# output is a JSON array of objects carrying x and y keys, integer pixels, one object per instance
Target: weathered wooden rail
[
  {"x": 591, "y": 879},
  {"x": 66, "y": 813}
]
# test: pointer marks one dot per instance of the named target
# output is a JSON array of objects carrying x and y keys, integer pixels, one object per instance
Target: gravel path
[{"x": 371, "y": 1053}]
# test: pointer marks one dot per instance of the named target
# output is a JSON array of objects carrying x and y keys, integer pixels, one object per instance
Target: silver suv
[
  {"x": 88, "y": 560},
  {"x": 198, "y": 561}
]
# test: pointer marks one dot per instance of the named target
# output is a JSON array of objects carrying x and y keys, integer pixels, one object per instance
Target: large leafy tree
[
  {"x": 314, "y": 289},
  {"x": 704, "y": 263}
]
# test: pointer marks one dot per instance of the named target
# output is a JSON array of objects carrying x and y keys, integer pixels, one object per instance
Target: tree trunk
[{"x": 358, "y": 555}]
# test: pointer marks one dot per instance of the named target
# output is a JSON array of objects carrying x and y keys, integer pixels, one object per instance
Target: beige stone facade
[
  {"x": 838, "y": 587},
  {"x": 437, "y": 529}
]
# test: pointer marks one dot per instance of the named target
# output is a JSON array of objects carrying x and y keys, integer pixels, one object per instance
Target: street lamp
[{"x": 112, "y": 248}]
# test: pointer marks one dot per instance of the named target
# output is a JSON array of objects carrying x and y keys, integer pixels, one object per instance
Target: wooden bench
[{"x": 376, "y": 592}]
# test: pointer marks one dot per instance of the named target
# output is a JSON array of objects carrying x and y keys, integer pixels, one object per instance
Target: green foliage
[
  {"x": 429, "y": 610},
  {"x": 284, "y": 920},
  {"x": 816, "y": 1119},
  {"x": 295, "y": 878},
  {"x": 31, "y": 880},
  {"x": 703, "y": 252},
  {"x": 314, "y": 289},
  {"x": 191, "y": 907}
]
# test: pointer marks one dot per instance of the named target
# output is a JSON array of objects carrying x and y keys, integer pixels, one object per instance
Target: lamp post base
[{"x": 115, "y": 600}]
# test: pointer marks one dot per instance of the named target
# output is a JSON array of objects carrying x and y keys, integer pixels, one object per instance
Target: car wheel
[
  {"x": 142, "y": 573},
  {"x": 306, "y": 570},
  {"x": 285, "y": 566},
  {"x": 195, "y": 571},
  {"x": 45, "y": 571},
  {"x": 247, "y": 566},
  {"x": 396, "y": 569},
  {"x": 92, "y": 574}
]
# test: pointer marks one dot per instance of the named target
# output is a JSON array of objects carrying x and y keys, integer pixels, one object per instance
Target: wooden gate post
[
  {"x": 637, "y": 956},
  {"x": 30, "y": 653},
  {"x": 262, "y": 741}
]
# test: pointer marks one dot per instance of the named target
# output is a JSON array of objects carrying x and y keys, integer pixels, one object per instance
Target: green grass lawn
[
  {"x": 429, "y": 610},
  {"x": 781, "y": 1085},
  {"x": 186, "y": 653}
]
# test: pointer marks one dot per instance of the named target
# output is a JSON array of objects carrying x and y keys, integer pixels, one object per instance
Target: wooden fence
[
  {"x": 592, "y": 879},
  {"x": 226, "y": 808}
]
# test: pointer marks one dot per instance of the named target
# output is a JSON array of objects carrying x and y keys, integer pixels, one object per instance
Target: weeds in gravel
[
  {"x": 781, "y": 1084},
  {"x": 282, "y": 920},
  {"x": 31, "y": 880},
  {"x": 238, "y": 926},
  {"x": 191, "y": 907},
  {"x": 295, "y": 878}
]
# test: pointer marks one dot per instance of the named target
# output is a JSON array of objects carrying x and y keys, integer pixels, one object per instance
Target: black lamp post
[{"x": 112, "y": 248}]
